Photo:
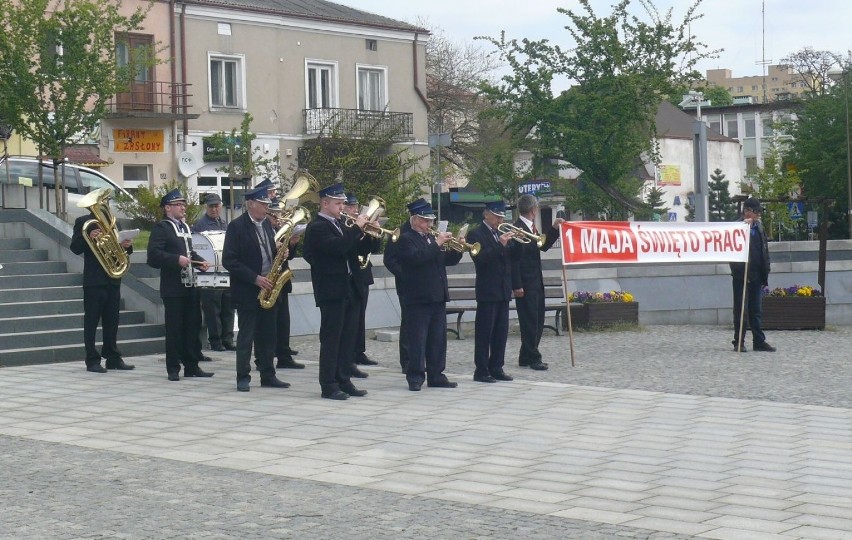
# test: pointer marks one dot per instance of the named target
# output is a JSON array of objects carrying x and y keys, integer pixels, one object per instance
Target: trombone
[{"x": 522, "y": 236}]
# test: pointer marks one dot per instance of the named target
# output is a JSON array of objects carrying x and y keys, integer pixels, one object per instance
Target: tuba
[
  {"x": 305, "y": 188},
  {"x": 277, "y": 276},
  {"x": 106, "y": 247},
  {"x": 522, "y": 236},
  {"x": 374, "y": 210}
]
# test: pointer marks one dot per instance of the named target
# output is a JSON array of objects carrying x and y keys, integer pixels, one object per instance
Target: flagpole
[{"x": 568, "y": 314}]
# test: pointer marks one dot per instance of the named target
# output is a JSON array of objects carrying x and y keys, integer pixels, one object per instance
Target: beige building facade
[
  {"x": 780, "y": 83},
  {"x": 297, "y": 74}
]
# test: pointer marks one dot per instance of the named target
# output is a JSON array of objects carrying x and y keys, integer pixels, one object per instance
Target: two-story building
[{"x": 298, "y": 68}]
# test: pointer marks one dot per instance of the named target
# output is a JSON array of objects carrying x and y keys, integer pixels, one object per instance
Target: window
[
  {"x": 372, "y": 88},
  {"x": 768, "y": 129},
  {"x": 208, "y": 181},
  {"x": 321, "y": 85},
  {"x": 136, "y": 176},
  {"x": 754, "y": 88},
  {"x": 226, "y": 81},
  {"x": 739, "y": 89},
  {"x": 751, "y": 165},
  {"x": 732, "y": 127},
  {"x": 749, "y": 126},
  {"x": 372, "y": 45}
]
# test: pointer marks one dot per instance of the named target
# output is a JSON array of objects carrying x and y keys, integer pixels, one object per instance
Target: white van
[{"x": 78, "y": 180}]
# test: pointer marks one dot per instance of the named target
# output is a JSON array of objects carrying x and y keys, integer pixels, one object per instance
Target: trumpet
[
  {"x": 522, "y": 236},
  {"x": 457, "y": 243}
]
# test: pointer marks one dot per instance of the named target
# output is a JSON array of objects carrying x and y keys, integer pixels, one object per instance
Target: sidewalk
[{"x": 661, "y": 433}]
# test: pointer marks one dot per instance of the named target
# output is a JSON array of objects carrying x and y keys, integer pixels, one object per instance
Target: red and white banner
[{"x": 629, "y": 242}]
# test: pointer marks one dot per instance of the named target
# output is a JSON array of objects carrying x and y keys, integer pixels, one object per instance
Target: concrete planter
[
  {"x": 793, "y": 313},
  {"x": 604, "y": 314}
]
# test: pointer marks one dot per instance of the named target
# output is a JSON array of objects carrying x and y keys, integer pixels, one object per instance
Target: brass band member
[
  {"x": 216, "y": 302},
  {"x": 101, "y": 298},
  {"x": 493, "y": 293},
  {"x": 170, "y": 250},
  {"x": 331, "y": 249},
  {"x": 528, "y": 284},
  {"x": 425, "y": 294},
  {"x": 248, "y": 255},
  {"x": 283, "y": 352},
  {"x": 367, "y": 245}
]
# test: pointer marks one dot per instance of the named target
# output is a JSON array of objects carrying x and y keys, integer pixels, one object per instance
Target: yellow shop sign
[{"x": 138, "y": 140}]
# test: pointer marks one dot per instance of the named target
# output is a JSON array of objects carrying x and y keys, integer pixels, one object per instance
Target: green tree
[
  {"x": 622, "y": 67},
  {"x": 58, "y": 68},
  {"x": 144, "y": 209},
  {"x": 653, "y": 207},
  {"x": 245, "y": 160},
  {"x": 775, "y": 180},
  {"x": 722, "y": 208},
  {"x": 718, "y": 96},
  {"x": 368, "y": 166},
  {"x": 818, "y": 152}
]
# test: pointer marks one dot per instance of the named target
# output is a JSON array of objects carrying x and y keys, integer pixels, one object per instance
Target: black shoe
[
  {"x": 742, "y": 347},
  {"x": 365, "y": 360},
  {"x": 445, "y": 383},
  {"x": 539, "y": 366},
  {"x": 484, "y": 378},
  {"x": 174, "y": 376},
  {"x": 243, "y": 385},
  {"x": 292, "y": 352},
  {"x": 197, "y": 372},
  {"x": 358, "y": 373},
  {"x": 217, "y": 348},
  {"x": 289, "y": 364},
  {"x": 206, "y": 359},
  {"x": 765, "y": 347},
  {"x": 119, "y": 364},
  {"x": 414, "y": 386},
  {"x": 523, "y": 363},
  {"x": 274, "y": 382},
  {"x": 501, "y": 376},
  {"x": 336, "y": 394},
  {"x": 230, "y": 347},
  {"x": 96, "y": 368},
  {"x": 352, "y": 391}
]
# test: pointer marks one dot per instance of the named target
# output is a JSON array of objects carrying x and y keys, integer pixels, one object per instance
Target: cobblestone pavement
[{"x": 661, "y": 432}]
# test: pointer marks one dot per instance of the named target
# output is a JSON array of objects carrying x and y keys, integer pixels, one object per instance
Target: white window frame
[
  {"x": 240, "y": 97},
  {"x": 334, "y": 81},
  {"x": 386, "y": 96}
]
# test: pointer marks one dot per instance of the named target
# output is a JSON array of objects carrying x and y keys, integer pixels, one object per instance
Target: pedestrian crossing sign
[{"x": 796, "y": 210}]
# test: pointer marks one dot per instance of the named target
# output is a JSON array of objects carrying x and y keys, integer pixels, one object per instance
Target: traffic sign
[
  {"x": 812, "y": 219},
  {"x": 796, "y": 210}
]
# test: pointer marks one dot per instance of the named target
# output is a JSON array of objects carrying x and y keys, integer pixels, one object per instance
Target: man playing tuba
[{"x": 101, "y": 296}]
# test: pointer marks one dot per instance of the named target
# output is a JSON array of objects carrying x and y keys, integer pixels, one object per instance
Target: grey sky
[{"x": 733, "y": 25}]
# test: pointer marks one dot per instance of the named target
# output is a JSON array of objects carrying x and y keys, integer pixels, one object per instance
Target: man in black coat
[
  {"x": 330, "y": 247},
  {"x": 493, "y": 292},
  {"x": 528, "y": 284},
  {"x": 101, "y": 299},
  {"x": 216, "y": 302},
  {"x": 423, "y": 260},
  {"x": 367, "y": 246},
  {"x": 170, "y": 250},
  {"x": 758, "y": 278},
  {"x": 391, "y": 260},
  {"x": 283, "y": 352},
  {"x": 248, "y": 255}
]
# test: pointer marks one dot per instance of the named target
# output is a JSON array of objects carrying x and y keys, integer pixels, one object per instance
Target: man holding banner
[{"x": 758, "y": 278}]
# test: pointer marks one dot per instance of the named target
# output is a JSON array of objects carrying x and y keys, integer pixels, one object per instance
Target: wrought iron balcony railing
[
  {"x": 152, "y": 99},
  {"x": 396, "y": 126}
]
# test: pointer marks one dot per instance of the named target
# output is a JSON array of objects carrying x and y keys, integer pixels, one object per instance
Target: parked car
[{"x": 78, "y": 180}]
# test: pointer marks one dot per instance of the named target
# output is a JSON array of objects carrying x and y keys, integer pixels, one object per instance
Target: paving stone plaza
[{"x": 661, "y": 432}]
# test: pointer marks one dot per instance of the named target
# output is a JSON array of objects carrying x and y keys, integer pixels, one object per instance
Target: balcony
[
  {"x": 354, "y": 123},
  {"x": 152, "y": 99}
]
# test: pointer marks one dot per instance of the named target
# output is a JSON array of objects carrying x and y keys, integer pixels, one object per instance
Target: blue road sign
[{"x": 796, "y": 210}]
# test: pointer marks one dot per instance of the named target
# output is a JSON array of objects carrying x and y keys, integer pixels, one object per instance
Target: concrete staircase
[{"x": 41, "y": 308}]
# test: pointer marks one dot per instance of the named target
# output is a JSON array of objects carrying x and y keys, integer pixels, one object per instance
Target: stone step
[
  {"x": 142, "y": 270},
  {"x": 51, "y": 338},
  {"x": 8, "y": 256},
  {"x": 41, "y": 293},
  {"x": 77, "y": 352},
  {"x": 33, "y": 268},
  {"x": 35, "y": 281},
  {"x": 14, "y": 243},
  {"x": 46, "y": 307},
  {"x": 62, "y": 322}
]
